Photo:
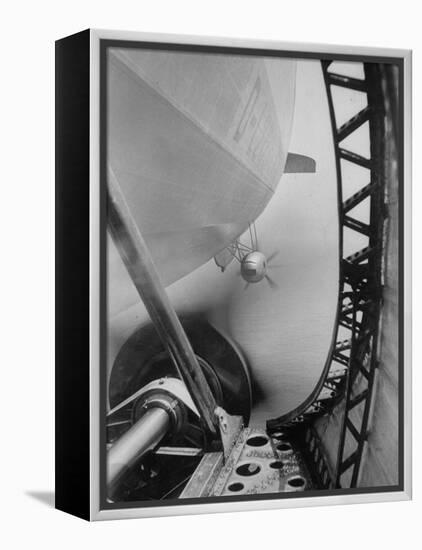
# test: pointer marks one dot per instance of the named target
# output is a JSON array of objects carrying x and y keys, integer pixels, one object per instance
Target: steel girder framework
[{"x": 352, "y": 361}]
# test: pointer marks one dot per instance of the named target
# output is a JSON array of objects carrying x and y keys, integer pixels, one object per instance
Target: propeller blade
[
  {"x": 273, "y": 255},
  {"x": 272, "y": 283}
]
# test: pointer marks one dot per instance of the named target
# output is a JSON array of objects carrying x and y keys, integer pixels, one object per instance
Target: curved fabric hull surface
[{"x": 198, "y": 144}]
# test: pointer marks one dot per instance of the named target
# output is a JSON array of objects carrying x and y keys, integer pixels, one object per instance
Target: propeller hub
[{"x": 253, "y": 267}]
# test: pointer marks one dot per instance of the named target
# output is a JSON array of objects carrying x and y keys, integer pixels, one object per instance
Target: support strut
[{"x": 137, "y": 259}]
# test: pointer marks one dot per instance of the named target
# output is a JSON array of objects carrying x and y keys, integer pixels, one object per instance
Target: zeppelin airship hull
[{"x": 198, "y": 144}]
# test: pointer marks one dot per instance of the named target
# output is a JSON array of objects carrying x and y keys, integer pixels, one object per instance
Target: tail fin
[{"x": 296, "y": 164}]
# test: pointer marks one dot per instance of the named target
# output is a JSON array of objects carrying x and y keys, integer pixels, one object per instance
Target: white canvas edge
[{"x": 203, "y": 508}]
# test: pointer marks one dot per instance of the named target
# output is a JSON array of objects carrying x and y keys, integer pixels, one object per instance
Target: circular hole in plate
[
  {"x": 296, "y": 482},
  {"x": 276, "y": 465},
  {"x": 283, "y": 447},
  {"x": 257, "y": 441},
  {"x": 248, "y": 469},
  {"x": 235, "y": 487}
]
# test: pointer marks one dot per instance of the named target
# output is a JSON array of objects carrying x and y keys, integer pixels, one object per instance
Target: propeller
[
  {"x": 254, "y": 264},
  {"x": 272, "y": 256},
  {"x": 271, "y": 283},
  {"x": 254, "y": 268}
]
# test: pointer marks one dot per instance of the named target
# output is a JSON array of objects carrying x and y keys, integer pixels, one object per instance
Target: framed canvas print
[{"x": 233, "y": 283}]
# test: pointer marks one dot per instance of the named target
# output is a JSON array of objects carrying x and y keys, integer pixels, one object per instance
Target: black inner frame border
[{"x": 105, "y": 44}]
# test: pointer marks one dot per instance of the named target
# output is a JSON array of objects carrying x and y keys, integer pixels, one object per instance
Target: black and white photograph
[
  {"x": 210, "y": 285},
  {"x": 253, "y": 276}
]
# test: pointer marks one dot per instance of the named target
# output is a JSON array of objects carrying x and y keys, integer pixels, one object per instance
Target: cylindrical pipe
[
  {"x": 137, "y": 259},
  {"x": 144, "y": 435}
]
